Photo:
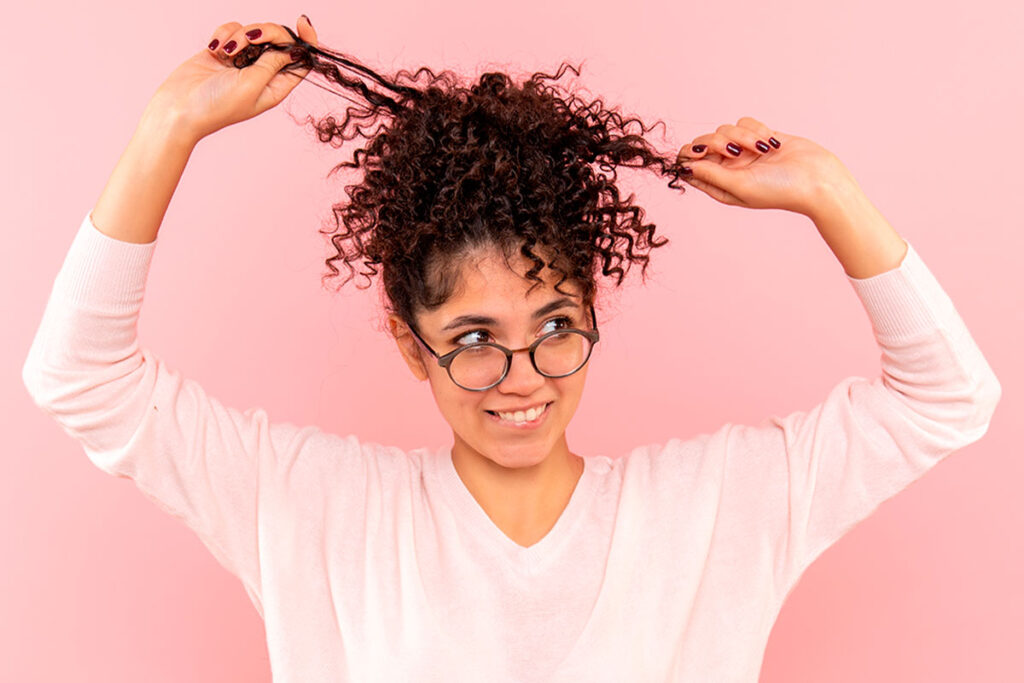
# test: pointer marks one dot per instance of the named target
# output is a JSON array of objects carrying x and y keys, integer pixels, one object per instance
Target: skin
[{"x": 522, "y": 479}]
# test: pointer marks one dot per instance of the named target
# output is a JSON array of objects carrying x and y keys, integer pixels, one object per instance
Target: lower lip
[{"x": 537, "y": 422}]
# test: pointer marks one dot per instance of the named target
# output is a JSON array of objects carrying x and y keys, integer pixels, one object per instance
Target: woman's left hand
[{"x": 791, "y": 176}]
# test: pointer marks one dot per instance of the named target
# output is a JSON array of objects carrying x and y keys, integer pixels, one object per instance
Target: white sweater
[{"x": 369, "y": 563}]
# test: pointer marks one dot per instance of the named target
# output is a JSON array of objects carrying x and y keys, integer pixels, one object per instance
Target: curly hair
[{"x": 453, "y": 169}]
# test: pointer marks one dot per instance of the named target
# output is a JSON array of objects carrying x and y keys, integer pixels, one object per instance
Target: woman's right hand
[{"x": 207, "y": 92}]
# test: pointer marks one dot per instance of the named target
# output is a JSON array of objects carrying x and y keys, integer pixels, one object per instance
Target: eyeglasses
[{"x": 482, "y": 365}]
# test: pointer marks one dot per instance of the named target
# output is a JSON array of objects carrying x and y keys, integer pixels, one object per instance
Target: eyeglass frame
[{"x": 445, "y": 361}]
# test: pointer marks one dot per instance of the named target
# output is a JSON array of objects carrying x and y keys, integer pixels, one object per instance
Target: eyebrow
[{"x": 476, "y": 319}]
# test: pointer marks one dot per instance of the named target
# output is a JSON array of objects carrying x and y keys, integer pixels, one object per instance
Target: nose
[{"x": 522, "y": 378}]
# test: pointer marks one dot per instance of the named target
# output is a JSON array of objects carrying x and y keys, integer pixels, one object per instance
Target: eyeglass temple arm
[{"x": 422, "y": 340}]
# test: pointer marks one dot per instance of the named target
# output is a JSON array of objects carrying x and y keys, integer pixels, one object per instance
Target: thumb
[
  {"x": 269, "y": 64},
  {"x": 711, "y": 172},
  {"x": 714, "y": 180}
]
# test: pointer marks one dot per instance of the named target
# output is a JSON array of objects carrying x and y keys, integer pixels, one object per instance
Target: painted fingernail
[
  {"x": 307, "y": 20},
  {"x": 775, "y": 143},
  {"x": 685, "y": 170},
  {"x": 254, "y": 34},
  {"x": 230, "y": 46},
  {"x": 213, "y": 44},
  {"x": 761, "y": 146},
  {"x": 733, "y": 149},
  {"x": 699, "y": 148}
]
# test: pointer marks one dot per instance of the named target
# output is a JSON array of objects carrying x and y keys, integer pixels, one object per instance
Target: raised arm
[
  {"x": 135, "y": 416},
  {"x": 203, "y": 95},
  {"x": 794, "y": 484}
]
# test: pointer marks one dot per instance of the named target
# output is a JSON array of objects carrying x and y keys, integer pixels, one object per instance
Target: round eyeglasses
[{"x": 482, "y": 365}]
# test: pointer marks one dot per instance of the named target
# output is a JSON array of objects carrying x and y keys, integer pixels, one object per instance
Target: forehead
[{"x": 487, "y": 283}]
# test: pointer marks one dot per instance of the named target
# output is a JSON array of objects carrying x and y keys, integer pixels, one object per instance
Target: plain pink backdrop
[{"x": 747, "y": 313}]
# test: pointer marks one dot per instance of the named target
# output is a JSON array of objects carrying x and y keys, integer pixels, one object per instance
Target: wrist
[
  {"x": 164, "y": 124},
  {"x": 835, "y": 192},
  {"x": 863, "y": 241}
]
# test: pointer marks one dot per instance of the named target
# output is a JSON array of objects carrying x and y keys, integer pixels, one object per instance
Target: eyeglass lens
[{"x": 481, "y": 366}]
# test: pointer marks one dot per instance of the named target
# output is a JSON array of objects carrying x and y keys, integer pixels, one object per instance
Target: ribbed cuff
[
  {"x": 103, "y": 273},
  {"x": 904, "y": 301}
]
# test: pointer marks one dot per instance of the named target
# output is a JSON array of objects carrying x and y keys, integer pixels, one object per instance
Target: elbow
[
  {"x": 984, "y": 400},
  {"x": 989, "y": 396},
  {"x": 30, "y": 378}
]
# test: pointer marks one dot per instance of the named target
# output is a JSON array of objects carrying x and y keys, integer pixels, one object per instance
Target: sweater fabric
[{"x": 369, "y": 563}]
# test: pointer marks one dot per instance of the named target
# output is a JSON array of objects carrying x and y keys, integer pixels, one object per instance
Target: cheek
[{"x": 455, "y": 404}]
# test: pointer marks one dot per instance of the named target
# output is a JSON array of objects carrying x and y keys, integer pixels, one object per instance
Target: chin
[{"x": 513, "y": 453}]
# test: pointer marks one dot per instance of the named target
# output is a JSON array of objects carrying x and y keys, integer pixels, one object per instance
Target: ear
[{"x": 408, "y": 346}]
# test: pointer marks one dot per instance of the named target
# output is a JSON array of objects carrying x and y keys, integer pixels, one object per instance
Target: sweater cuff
[
  {"x": 904, "y": 301},
  {"x": 103, "y": 273}
]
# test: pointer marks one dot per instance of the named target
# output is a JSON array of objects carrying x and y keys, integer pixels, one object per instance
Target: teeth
[{"x": 523, "y": 416}]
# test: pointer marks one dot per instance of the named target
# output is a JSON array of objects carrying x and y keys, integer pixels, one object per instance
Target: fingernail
[
  {"x": 254, "y": 34},
  {"x": 685, "y": 170},
  {"x": 230, "y": 46},
  {"x": 213, "y": 44},
  {"x": 307, "y": 20},
  {"x": 733, "y": 149},
  {"x": 699, "y": 148},
  {"x": 761, "y": 146},
  {"x": 775, "y": 143}
]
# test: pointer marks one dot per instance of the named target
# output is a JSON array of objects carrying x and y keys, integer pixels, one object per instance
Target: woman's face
[{"x": 489, "y": 289}]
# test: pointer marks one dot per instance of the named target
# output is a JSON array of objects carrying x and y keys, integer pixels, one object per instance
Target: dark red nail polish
[
  {"x": 761, "y": 146},
  {"x": 307, "y": 20},
  {"x": 254, "y": 34},
  {"x": 213, "y": 44},
  {"x": 230, "y": 46},
  {"x": 699, "y": 148},
  {"x": 733, "y": 149},
  {"x": 775, "y": 143}
]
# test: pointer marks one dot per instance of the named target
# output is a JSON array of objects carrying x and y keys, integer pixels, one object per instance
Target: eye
[
  {"x": 468, "y": 337},
  {"x": 561, "y": 322},
  {"x": 565, "y": 323}
]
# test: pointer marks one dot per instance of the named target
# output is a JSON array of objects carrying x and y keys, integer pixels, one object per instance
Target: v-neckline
[{"x": 469, "y": 512}]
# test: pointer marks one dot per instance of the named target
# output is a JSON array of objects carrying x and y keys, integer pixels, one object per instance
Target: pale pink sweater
[{"x": 368, "y": 563}]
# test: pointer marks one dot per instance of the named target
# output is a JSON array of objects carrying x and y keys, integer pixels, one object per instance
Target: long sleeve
[
  {"x": 819, "y": 472},
  {"x": 136, "y": 417}
]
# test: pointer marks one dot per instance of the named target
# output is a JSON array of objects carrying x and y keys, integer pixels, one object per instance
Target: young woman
[{"x": 504, "y": 556}]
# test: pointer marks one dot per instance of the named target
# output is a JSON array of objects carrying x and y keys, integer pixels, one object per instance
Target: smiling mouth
[{"x": 536, "y": 418}]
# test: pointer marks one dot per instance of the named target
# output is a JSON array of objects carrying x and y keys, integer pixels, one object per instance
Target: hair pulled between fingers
[{"x": 449, "y": 169}]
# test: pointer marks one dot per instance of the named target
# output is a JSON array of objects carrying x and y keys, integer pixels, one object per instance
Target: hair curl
[{"x": 494, "y": 164}]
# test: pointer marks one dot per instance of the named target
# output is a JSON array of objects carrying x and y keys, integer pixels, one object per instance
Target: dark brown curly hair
[{"x": 494, "y": 165}]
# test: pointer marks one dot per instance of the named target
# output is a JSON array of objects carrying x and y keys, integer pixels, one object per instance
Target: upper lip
[{"x": 522, "y": 409}]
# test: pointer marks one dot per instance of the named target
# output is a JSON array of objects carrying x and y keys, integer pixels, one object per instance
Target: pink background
[{"x": 924, "y": 106}]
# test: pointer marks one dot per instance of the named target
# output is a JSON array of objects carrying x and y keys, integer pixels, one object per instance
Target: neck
[{"x": 523, "y": 500}]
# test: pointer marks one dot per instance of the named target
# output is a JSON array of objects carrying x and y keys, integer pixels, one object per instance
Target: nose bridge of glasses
[{"x": 525, "y": 362}]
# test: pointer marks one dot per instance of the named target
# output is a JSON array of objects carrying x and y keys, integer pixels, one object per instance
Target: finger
[
  {"x": 254, "y": 34},
  {"x": 269, "y": 66},
  {"x": 713, "y": 191},
  {"x": 221, "y": 36},
  {"x": 772, "y": 137},
  {"x": 697, "y": 149},
  {"x": 717, "y": 177},
  {"x": 743, "y": 138},
  {"x": 306, "y": 31}
]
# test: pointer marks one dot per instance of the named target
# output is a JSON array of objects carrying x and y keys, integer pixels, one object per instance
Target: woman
[{"x": 504, "y": 556}]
